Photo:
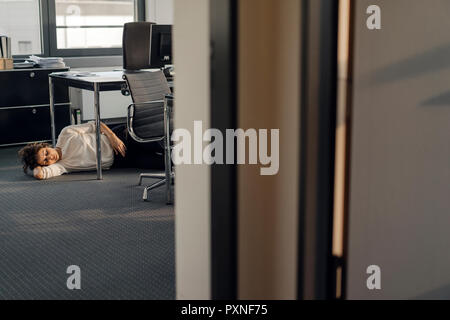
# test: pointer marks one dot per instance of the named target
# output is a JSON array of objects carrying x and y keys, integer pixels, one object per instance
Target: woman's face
[{"x": 47, "y": 156}]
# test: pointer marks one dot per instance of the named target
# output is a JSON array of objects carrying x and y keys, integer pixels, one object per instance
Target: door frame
[
  {"x": 223, "y": 24},
  {"x": 316, "y": 272}
]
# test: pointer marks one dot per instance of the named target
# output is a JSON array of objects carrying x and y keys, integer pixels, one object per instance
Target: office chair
[
  {"x": 136, "y": 45},
  {"x": 149, "y": 120}
]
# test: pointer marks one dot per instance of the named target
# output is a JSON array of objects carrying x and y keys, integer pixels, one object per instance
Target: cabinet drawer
[
  {"x": 20, "y": 125},
  {"x": 29, "y": 88}
]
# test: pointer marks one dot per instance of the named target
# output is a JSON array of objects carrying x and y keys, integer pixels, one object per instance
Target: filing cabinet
[{"x": 25, "y": 109}]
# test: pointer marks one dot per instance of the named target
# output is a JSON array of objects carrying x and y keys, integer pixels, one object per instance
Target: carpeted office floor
[{"x": 123, "y": 246}]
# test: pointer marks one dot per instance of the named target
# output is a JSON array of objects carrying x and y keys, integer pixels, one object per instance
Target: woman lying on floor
[{"x": 76, "y": 151}]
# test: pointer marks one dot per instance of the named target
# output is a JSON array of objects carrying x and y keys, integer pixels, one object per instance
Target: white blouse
[{"x": 78, "y": 147}]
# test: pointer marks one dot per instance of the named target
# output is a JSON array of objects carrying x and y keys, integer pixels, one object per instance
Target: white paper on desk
[
  {"x": 46, "y": 60},
  {"x": 51, "y": 62}
]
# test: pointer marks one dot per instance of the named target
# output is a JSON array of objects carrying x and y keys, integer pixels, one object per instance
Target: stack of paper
[{"x": 48, "y": 62}]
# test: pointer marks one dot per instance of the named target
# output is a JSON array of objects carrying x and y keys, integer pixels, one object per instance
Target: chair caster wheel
[{"x": 145, "y": 195}]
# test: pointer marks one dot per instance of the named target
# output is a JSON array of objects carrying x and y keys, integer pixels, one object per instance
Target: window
[
  {"x": 68, "y": 27},
  {"x": 91, "y": 24},
  {"x": 90, "y": 27},
  {"x": 20, "y": 20}
]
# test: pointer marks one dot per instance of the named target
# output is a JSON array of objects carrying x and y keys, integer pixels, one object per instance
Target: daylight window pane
[
  {"x": 75, "y": 38},
  {"x": 87, "y": 24},
  {"x": 20, "y": 20}
]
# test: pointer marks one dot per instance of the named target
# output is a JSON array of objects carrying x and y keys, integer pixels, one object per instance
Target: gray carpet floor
[{"x": 123, "y": 246}]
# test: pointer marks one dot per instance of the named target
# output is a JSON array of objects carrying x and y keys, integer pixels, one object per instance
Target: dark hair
[{"x": 28, "y": 155}]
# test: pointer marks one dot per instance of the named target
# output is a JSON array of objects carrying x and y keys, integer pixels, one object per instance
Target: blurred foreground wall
[{"x": 400, "y": 151}]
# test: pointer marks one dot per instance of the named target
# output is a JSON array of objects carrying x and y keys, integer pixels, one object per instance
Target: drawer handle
[{"x": 32, "y": 74}]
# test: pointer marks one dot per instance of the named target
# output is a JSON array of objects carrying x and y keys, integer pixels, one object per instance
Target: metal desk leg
[
  {"x": 97, "y": 127},
  {"x": 52, "y": 109}
]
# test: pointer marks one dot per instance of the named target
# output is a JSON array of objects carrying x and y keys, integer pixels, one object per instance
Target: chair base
[
  {"x": 161, "y": 175},
  {"x": 157, "y": 184}
]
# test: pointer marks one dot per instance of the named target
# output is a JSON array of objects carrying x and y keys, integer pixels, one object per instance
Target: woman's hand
[
  {"x": 38, "y": 173},
  {"x": 117, "y": 145}
]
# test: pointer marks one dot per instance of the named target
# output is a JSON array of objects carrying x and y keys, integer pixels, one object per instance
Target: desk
[{"x": 99, "y": 81}]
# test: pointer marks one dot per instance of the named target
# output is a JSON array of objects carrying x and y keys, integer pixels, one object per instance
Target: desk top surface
[
  {"x": 34, "y": 69},
  {"x": 90, "y": 77},
  {"x": 107, "y": 81}
]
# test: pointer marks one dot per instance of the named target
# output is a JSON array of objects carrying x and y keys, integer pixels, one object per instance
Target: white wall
[
  {"x": 192, "y": 187},
  {"x": 112, "y": 105}
]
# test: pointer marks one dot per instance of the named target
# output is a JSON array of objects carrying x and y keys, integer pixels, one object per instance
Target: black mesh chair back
[
  {"x": 148, "y": 89},
  {"x": 146, "y": 86},
  {"x": 136, "y": 45}
]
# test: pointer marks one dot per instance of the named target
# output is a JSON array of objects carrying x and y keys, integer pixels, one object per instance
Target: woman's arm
[
  {"x": 38, "y": 173},
  {"x": 117, "y": 144},
  {"x": 54, "y": 170}
]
